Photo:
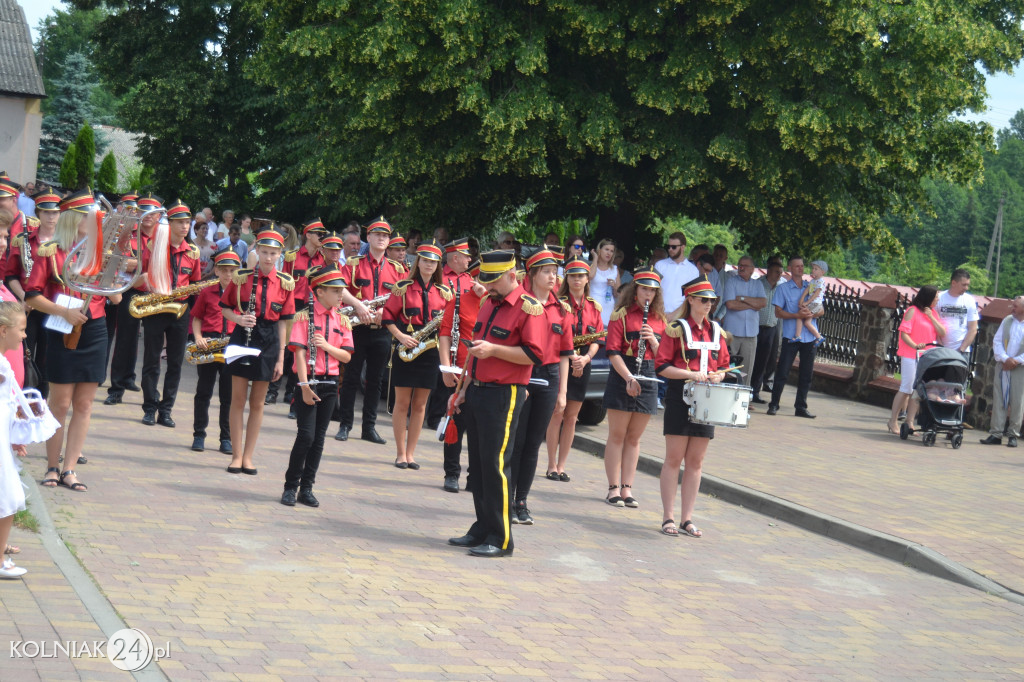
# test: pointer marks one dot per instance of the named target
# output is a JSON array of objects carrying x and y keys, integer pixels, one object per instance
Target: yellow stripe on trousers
[{"x": 501, "y": 470}]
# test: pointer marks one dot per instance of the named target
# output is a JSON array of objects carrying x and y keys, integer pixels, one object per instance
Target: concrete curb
[
  {"x": 888, "y": 546},
  {"x": 98, "y": 606}
]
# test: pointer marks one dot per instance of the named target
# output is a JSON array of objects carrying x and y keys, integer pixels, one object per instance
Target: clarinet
[
  {"x": 248, "y": 360},
  {"x": 455, "y": 324},
  {"x": 310, "y": 346},
  {"x": 641, "y": 350}
]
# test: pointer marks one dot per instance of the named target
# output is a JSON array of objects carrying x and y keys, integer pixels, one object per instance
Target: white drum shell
[{"x": 718, "y": 404}]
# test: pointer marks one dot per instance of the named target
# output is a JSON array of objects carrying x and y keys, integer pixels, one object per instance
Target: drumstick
[{"x": 719, "y": 371}]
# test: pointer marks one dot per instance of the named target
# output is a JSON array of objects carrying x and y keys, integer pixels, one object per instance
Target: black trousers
[
  {"x": 492, "y": 415},
  {"x": 155, "y": 329},
  {"x": 312, "y": 421},
  {"x": 453, "y": 451},
  {"x": 288, "y": 377},
  {"x": 767, "y": 347},
  {"x": 372, "y": 347},
  {"x": 787, "y": 354},
  {"x": 533, "y": 427},
  {"x": 35, "y": 343},
  {"x": 209, "y": 374},
  {"x": 110, "y": 312},
  {"x": 126, "y": 346},
  {"x": 437, "y": 406}
]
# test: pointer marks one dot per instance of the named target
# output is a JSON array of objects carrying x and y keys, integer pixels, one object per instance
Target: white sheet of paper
[
  {"x": 232, "y": 353},
  {"x": 58, "y": 323}
]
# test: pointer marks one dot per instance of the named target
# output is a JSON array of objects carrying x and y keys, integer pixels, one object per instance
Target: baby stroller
[{"x": 940, "y": 384}]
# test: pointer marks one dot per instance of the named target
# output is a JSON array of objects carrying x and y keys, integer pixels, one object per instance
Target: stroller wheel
[
  {"x": 904, "y": 431},
  {"x": 929, "y": 438},
  {"x": 957, "y": 440}
]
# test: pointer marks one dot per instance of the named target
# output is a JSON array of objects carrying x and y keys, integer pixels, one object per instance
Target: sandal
[
  {"x": 551, "y": 476},
  {"x": 51, "y": 482},
  {"x": 563, "y": 477},
  {"x": 630, "y": 501},
  {"x": 11, "y": 549},
  {"x": 691, "y": 530},
  {"x": 615, "y": 501},
  {"x": 82, "y": 459},
  {"x": 77, "y": 486},
  {"x": 668, "y": 527}
]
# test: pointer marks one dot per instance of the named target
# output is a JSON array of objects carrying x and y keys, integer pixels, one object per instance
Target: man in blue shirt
[
  {"x": 743, "y": 298},
  {"x": 788, "y": 309}
]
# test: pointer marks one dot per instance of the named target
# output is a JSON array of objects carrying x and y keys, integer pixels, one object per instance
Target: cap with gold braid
[
  {"x": 541, "y": 258},
  {"x": 494, "y": 264},
  {"x": 699, "y": 287},
  {"x": 150, "y": 201},
  {"x": 47, "y": 200},
  {"x": 379, "y": 225},
  {"x": 647, "y": 277},
  {"x": 327, "y": 276},
  {"x": 270, "y": 237},
  {"x": 458, "y": 246},
  {"x": 8, "y": 187},
  {"x": 131, "y": 199},
  {"x": 398, "y": 241},
  {"x": 79, "y": 202},
  {"x": 313, "y": 225},
  {"x": 474, "y": 269},
  {"x": 430, "y": 250},
  {"x": 332, "y": 241},
  {"x": 577, "y": 266},
  {"x": 179, "y": 211},
  {"x": 227, "y": 257}
]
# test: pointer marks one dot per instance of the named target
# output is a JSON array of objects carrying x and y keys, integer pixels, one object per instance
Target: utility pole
[{"x": 997, "y": 242}]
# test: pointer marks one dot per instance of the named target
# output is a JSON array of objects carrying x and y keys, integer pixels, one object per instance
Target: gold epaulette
[
  {"x": 446, "y": 292},
  {"x": 287, "y": 282},
  {"x": 566, "y": 307},
  {"x": 399, "y": 287},
  {"x": 31, "y": 221},
  {"x": 302, "y": 315},
  {"x": 18, "y": 240},
  {"x": 344, "y": 321},
  {"x": 193, "y": 251},
  {"x": 619, "y": 314},
  {"x": 596, "y": 304},
  {"x": 289, "y": 256},
  {"x": 353, "y": 261},
  {"x": 399, "y": 267},
  {"x": 675, "y": 329},
  {"x": 531, "y": 306},
  {"x": 241, "y": 276},
  {"x": 48, "y": 249}
]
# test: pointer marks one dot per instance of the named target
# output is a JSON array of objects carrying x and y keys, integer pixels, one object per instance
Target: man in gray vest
[{"x": 1008, "y": 392}]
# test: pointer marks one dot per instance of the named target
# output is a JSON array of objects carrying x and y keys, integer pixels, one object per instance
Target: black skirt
[
  {"x": 577, "y": 386},
  {"x": 616, "y": 398},
  {"x": 86, "y": 364},
  {"x": 677, "y": 415},
  {"x": 261, "y": 367},
  {"x": 419, "y": 373}
]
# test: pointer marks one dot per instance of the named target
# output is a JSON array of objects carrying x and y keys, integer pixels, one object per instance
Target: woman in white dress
[
  {"x": 12, "y": 493},
  {"x": 604, "y": 278}
]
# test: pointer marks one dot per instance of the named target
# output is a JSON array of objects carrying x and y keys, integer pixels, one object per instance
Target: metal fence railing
[{"x": 840, "y": 325}]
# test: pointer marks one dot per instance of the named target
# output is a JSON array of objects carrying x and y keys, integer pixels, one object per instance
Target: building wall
[{"x": 21, "y": 122}]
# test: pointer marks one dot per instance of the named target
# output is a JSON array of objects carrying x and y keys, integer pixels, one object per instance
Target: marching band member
[
  {"x": 509, "y": 338},
  {"x": 331, "y": 247},
  {"x": 369, "y": 276},
  {"x": 17, "y": 271},
  {"x": 75, "y": 374},
  {"x": 208, "y": 321},
  {"x": 542, "y": 400},
  {"x": 631, "y": 402},
  {"x": 397, "y": 248},
  {"x": 412, "y": 305},
  {"x": 126, "y": 338},
  {"x": 693, "y": 349},
  {"x": 169, "y": 262},
  {"x": 332, "y": 344},
  {"x": 9, "y": 191},
  {"x": 585, "y": 315},
  {"x": 454, "y": 276},
  {"x": 269, "y": 304}
]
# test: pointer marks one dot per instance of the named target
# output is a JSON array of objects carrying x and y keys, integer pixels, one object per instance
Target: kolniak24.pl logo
[{"x": 128, "y": 649}]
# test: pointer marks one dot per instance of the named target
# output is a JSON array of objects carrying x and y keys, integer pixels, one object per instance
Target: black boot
[
  {"x": 306, "y": 497},
  {"x": 288, "y": 497}
]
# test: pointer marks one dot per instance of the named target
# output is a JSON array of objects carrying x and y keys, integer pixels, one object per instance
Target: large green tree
[
  {"x": 801, "y": 123},
  {"x": 69, "y": 108}
]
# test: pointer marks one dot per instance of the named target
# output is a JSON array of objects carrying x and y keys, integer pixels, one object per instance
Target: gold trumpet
[
  {"x": 587, "y": 339},
  {"x": 154, "y": 304}
]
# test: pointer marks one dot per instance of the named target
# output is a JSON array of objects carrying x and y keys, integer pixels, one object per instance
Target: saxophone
[
  {"x": 410, "y": 354},
  {"x": 26, "y": 256},
  {"x": 194, "y": 355},
  {"x": 154, "y": 304},
  {"x": 587, "y": 339}
]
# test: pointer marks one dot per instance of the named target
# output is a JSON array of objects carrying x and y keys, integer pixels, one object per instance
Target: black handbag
[{"x": 33, "y": 378}]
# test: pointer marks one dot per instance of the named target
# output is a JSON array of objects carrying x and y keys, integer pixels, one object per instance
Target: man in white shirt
[
  {"x": 1008, "y": 392},
  {"x": 675, "y": 272},
  {"x": 25, "y": 203},
  {"x": 959, "y": 313}
]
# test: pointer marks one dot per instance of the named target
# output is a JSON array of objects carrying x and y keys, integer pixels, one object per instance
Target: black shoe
[
  {"x": 234, "y": 470},
  {"x": 523, "y": 513},
  {"x": 270, "y": 399},
  {"x": 490, "y": 551},
  {"x": 225, "y": 447},
  {"x": 451, "y": 484},
  {"x": 132, "y": 387},
  {"x": 371, "y": 435},
  {"x": 342, "y": 433},
  {"x": 112, "y": 399},
  {"x": 197, "y": 444},
  {"x": 466, "y": 540},
  {"x": 306, "y": 498},
  {"x": 995, "y": 440},
  {"x": 772, "y": 409},
  {"x": 288, "y": 497},
  {"x": 401, "y": 465},
  {"x": 149, "y": 418},
  {"x": 249, "y": 472},
  {"x": 757, "y": 400},
  {"x": 165, "y": 420},
  {"x": 1011, "y": 442},
  {"x": 805, "y": 414}
]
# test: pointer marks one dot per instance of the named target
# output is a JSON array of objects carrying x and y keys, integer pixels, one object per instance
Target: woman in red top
[
  {"x": 686, "y": 441},
  {"x": 630, "y": 400},
  {"x": 413, "y": 304},
  {"x": 585, "y": 317},
  {"x": 75, "y": 374}
]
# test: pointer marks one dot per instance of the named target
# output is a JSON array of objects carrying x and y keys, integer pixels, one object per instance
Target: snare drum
[{"x": 718, "y": 404}]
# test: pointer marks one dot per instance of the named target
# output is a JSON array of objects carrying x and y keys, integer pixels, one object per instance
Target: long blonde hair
[{"x": 66, "y": 236}]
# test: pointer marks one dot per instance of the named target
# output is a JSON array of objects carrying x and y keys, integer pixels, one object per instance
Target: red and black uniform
[
  {"x": 494, "y": 400},
  {"x": 681, "y": 349},
  {"x": 585, "y": 317},
  {"x": 623, "y": 339},
  {"x": 21, "y": 224},
  {"x": 411, "y": 307},
  {"x": 85, "y": 364},
  {"x": 126, "y": 336},
  {"x": 274, "y": 302},
  {"x": 437, "y": 406},
  {"x": 297, "y": 264},
  {"x": 213, "y": 325},
  {"x": 35, "y": 333},
  {"x": 166, "y": 329},
  {"x": 368, "y": 278},
  {"x": 468, "y": 304}
]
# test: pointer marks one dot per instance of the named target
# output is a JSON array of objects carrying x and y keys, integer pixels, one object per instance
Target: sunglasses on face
[{"x": 674, "y": 246}]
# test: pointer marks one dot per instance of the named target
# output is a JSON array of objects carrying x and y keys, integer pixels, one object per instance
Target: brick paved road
[{"x": 366, "y": 588}]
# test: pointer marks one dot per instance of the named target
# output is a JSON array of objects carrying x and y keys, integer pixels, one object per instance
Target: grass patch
[{"x": 25, "y": 520}]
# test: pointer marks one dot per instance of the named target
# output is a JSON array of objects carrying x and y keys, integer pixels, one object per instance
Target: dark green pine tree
[
  {"x": 68, "y": 177},
  {"x": 71, "y": 108},
  {"x": 85, "y": 164},
  {"x": 106, "y": 177}
]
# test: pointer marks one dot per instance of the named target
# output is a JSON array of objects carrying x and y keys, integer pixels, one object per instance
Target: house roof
[{"x": 19, "y": 74}]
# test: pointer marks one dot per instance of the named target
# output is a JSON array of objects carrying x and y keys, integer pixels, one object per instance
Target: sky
[{"x": 1006, "y": 93}]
